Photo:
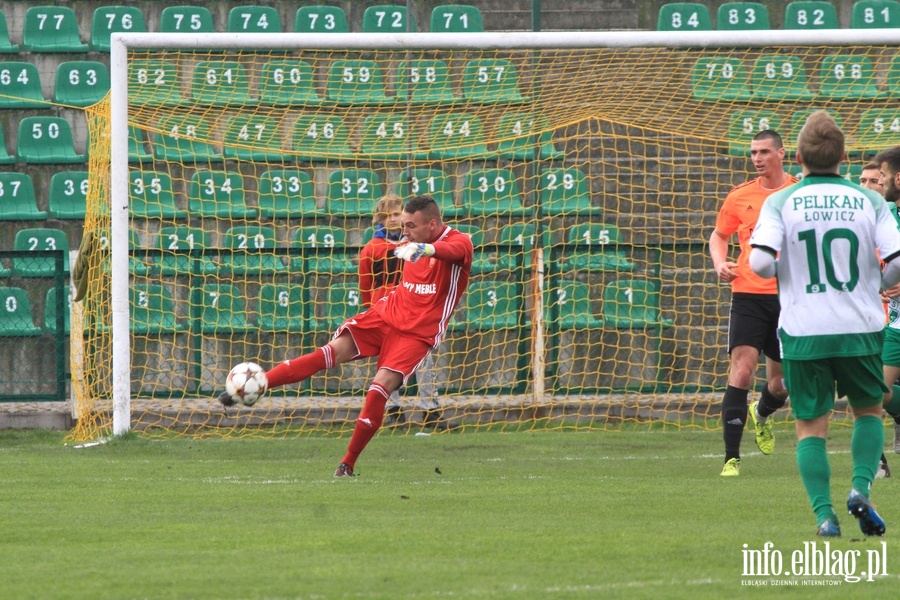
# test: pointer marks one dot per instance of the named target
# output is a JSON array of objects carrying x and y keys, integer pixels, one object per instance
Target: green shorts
[
  {"x": 811, "y": 383},
  {"x": 891, "y": 352}
]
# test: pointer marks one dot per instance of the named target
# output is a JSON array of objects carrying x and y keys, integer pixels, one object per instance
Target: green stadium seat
[
  {"x": 288, "y": 82},
  {"x": 17, "y": 199},
  {"x": 51, "y": 311},
  {"x": 334, "y": 306},
  {"x": 456, "y": 18},
  {"x": 253, "y": 137},
  {"x": 683, "y": 16},
  {"x": 813, "y": 14},
  {"x": 68, "y": 195},
  {"x": 779, "y": 77},
  {"x": 492, "y": 192},
  {"x": 39, "y": 239},
  {"x": 595, "y": 249},
  {"x": 742, "y": 16},
  {"x": 720, "y": 78},
  {"x": 632, "y": 304},
  {"x": 848, "y": 77},
  {"x": 388, "y": 18},
  {"x": 47, "y": 140},
  {"x": 281, "y": 308},
  {"x": 356, "y": 82},
  {"x": 152, "y": 196},
  {"x": 51, "y": 29},
  {"x": 892, "y": 81},
  {"x": 492, "y": 305},
  {"x": 524, "y": 136},
  {"x": 352, "y": 192},
  {"x": 218, "y": 308},
  {"x": 744, "y": 124},
  {"x": 875, "y": 14},
  {"x": 523, "y": 236},
  {"x": 219, "y": 194},
  {"x": 176, "y": 244},
  {"x": 321, "y": 19},
  {"x": 137, "y": 146},
  {"x": 6, "y": 47},
  {"x": 16, "y": 319},
  {"x": 425, "y": 81},
  {"x": 153, "y": 82},
  {"x": 249, "y": 242},
  {"x": 186, "y": 19},
  {"x": 389, "y": 136},
  {"x": 334, "y": 263},
  {"x": 20, "y": 86},
  {"x": 492, "y": 81},
  {"x": 153, "y": 310},
  {"x": 136, "y": 264},
  {"x": 220, "y": 83},
  {"x": 321, "y": 137},
  {"x": 456, "y": 135},
  {"x": 5, "y": 158},
  {"x": 481, "y": 261},
  {"x": 878, "y": 129},
  {"x": 570, "y": 307},
  {"x": 254, "y": 19},
  {"x": 436, "y": 184},
  {"x": 185, "y": 138},
  {"x": 81, "y": 83},
  {"x": 108, "y": 20},
  {"x": 564, "y": 192},
  {"x": 287, "y": 193}
]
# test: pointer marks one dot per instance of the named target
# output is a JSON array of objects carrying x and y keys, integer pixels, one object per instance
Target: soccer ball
[{"x": 246, "y": 383}]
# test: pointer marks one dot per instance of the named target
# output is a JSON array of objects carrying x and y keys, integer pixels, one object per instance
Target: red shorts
[{"x": 396, "y": 351}]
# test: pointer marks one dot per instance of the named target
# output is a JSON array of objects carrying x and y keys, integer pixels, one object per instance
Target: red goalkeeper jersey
[{"x": 430, "y": 289}]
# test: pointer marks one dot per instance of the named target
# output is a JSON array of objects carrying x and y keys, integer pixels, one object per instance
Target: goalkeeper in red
[{"x": 400, "y": 328}]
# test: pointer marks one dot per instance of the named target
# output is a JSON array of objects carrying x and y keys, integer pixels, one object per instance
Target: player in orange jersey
[{"x": 753, "y": 321}]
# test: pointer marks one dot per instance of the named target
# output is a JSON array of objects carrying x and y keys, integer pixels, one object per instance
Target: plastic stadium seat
[
  {"x": 564, "y": 192},
  {"x": 742, "y": 15},
  {"x": 286, "y": 193},
  {"x": 81, "y": 83},
  {"x": 456, "y": 135},
  {"x": 595, "y": 249},
  {"x": 5, "y": 158},
  {"x": 288, "y": 82},
  {"x": 180, "y": 248},
  {"x": 218, "y": 308},
  {"x": 321, "y": 19},
  {"x": 720, "y": 78},
  {"x": 481, "y": 261},
  {"x": 354, "y": 82},
  {"x": 40, "y": 239},
  {"x": 51, "y": 29},
  {"x": 878, "y": 129},
  {"x": 436, "y": 184},
  {"x": 632, "y": 304},
  {"x": 184, "y": 138},
  {"x": 137, "y": 146},
  {"x": 247, "y": 240},
  {"x": 810, "y": 15},
  {"x": 352, "y": 192},
  {"x": 388, "y": 18},
  {"x": 254, "y": 19},
  {"x": 523, "y": 236},
  {"x": 848, "y": 77},
  {"x": 492, "y": 81},
  {"x": 570, "y": 307},
  {"x": 6, "y": 47},
  {"x": 456, "y": 18},
  {"x": 153, "y": 82},
  {"x": 186, "y": 19},
  {"x": 875, "y": 14},
  {"x": 152, "y": 196},
  {"x": 389, "y": 135},
  {"x": 892, "y": 82},
  {"x": 52, "y": 312},
  {"x": 46, "y": 140},
  {"x": 218, "y": 194},
  {"x": 524, "y": 136},
  {"x": 136, "y": 264},
  {"x": 321, "y": 137},
  {"x": 779, "y": 77},
  {"x": 20, "y": 86},
  {"x": 683, "y": 16},
  {"x": 492, "y": 305},
  {"x": 16, "y": 319},
  {"x": 281, "y": 308},
  {"x": 153, "y": 310},
  {"x": 220, "y": 83},
  {"x": 17, "y": 199},
  {"x": 311, "y": 237},
  {"x": 425, "y": 81},
  {"x": 491, "y": 192},
  {"x": 340, "y": 302},
  {"x": 253, "y": 137},
  {"x": 68, "y": 195},
  {"x": 114, "y": 19},
  {"x": 744, "y": 124}
]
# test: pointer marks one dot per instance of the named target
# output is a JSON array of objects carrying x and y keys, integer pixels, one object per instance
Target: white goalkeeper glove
[{"x": 413, "y": 251}]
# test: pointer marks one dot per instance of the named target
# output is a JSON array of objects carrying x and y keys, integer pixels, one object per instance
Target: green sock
[
  {"x": 812, "y": 460},
  {"x": 893, "y": 407},
  {"x": 865, "y": 448}
]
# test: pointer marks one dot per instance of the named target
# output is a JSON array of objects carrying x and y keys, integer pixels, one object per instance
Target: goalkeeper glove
[{"x": 413, "y": 251}]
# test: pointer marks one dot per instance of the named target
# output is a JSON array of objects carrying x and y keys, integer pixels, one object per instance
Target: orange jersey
[{"x": 738, "y": 215}]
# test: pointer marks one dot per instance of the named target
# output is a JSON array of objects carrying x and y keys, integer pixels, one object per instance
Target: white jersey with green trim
[
  {"x": 894, "y": 303},
  {"x": 826, "y": 230}
]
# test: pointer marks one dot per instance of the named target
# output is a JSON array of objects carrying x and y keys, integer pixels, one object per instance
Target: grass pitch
[{"x": 632, "y": 514}]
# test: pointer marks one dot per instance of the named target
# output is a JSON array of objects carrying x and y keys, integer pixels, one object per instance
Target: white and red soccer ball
[{"x": 246, "y": 383}]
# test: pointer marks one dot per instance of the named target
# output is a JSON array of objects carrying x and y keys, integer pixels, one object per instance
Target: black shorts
[{"x": 754, "y": 322}]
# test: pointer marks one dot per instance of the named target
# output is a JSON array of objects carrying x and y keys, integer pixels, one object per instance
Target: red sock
[
  {"x": 303, "y": 367},
  {"x": 368, "y": 422}
]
